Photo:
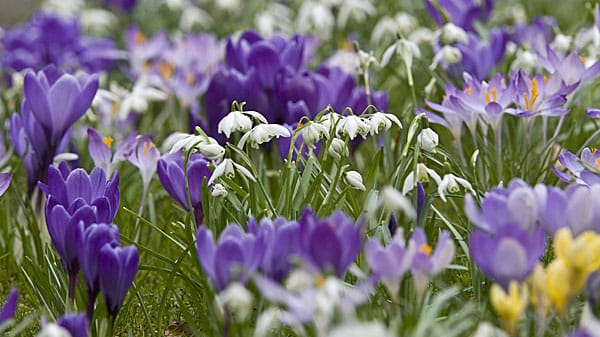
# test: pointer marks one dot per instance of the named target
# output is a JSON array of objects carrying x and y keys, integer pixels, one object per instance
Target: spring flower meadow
[{"x": 316, "y": 168}]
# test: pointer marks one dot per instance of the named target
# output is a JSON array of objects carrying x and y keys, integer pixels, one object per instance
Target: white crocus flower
[
  {"x": 354, "y": 179},
  {"x": 451, "y": 183},
  {"x": 452, "y": 33},
  {"x": 352, "y": 126},
  {"x": 312, "y": 133},
  {"x": 237, "y": 299},
  {"x": 428, "y": 140},
  {"x": 263, "y": 133},
  {"x": 53, "y": 330},
  {"x": 338, "y": 148},
  {"x": 423, "y": 174},
  {"x": 238, "y": 121},
  {"x": 392, "y": 200},
  {"x": 382, "y": 121},
  {"x": 227, "y": 168}
]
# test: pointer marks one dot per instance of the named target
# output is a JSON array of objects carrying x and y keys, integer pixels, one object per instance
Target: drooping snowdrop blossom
[
  {"x": 428, "y": 140},
  {"x": 338, "y": 149},
  {"x": 353, "y": 126},
  {"x": 263, "y": 133},
  {"x": 451, "y": 183},
  {"x": 239, "y": 121},
  {"x": 227, "y": 168},
  {"x": 354, "y": 179},
  {"x": 381, "y": 121},
  {"x": 207, "y": 146},
  {"x": 423, "y": 175},
  {"x": 312, "y": 132}
]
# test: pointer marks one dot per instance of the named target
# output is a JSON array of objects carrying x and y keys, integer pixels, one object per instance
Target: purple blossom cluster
[
  {"x": 79, "y": 212},
  {"x": 581, "y": 170},
  {"x": 271, "y": 76},
  {"x": 513, "y": 223},
  {"x": 51, "y": 39}
]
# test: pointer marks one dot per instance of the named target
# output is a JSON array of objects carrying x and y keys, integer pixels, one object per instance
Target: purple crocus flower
[
  {"x": 89, "y": 244},
  {"x": 53, "y": 102},
  {"x": 584, "y": 170},
  {"x": 117, "y": 267},
  {"x": 491, "y": 252},
  {"x": 538, "y": 95},
  {"x": 479, "y": 56},
  {"x": 5, "y": 179},
  {"x": 517, "y": 204},
  {"x": 126, "y": 5},
  {"x": 577, "y": 207},
  {"x": 76, "y": 324},
  {"x": 462, "y": 13},
  {"x": 389, "y": 264},
  {"x": 282, "y": 246},
  {"x": 100, "y": 150},
  {"x": 236, "y": 255},
  {"x": 172, "y": 175},
  {"x": 74, "y": 201},
  {"x": 144, "y": 51},
  {"x": 571, "y": 69},
  {"x": 580, "y": 333},
  {"x": 330, "y": 244},
  {"x": 145, "y": 158},
  {"x": 51, "y": 39},
  {"x": 592, "y": 291},
  {"x": 429, "y": 262},
  {"x": 10, "y": 306}
]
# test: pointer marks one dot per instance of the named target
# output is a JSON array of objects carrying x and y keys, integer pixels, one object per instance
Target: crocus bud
[
  {"x": 355, "y": 180},
  {"x": 428, "y": 140}
]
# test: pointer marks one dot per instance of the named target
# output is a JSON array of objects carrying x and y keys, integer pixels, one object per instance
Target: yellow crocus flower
[{"x": 509, "y": 306}]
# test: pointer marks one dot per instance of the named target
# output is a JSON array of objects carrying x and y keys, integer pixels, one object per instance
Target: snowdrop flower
[
  {"x": 423, "y": 174},
  {"x": 65, "y": 156},
  {"x": 64, "y": 8},
  {"x": 448, "y": 55},
  {"x": 238, "y": 121},
  {"x": 312, "y": 133},
  {"x": 392, "y": 200},
  {"x": 193, "y": 15},
  {"x": 405, "y": 48},
  {"x": 207, "y": 146},
  {"x": 402, "y": 23},
  {"x": 354, "y": 179},
  {"x": 98, "y": 20},
  {"x": 139, "y": 98},
  {"x": 53, "y": 330},
  {"x": 219, "y": 190},
  {"x": 382, "y": 121},
  {"x": 338, "y": 148},
  {"x": 562, "y": 42},
  {"x": 352, "y": 126},
  {"x": 316, "y": 16},
  {"x": 356, "y": 9},
  {"x": 359, "y": 329},
  {"x": 451, "y": 183},
  {"x": 227, "y": 168},
  {"x": 452, "y": 33},
  {"x": 263, "y": 133},
  {"x": 237, "y": 299},
  {"x": 212, "y": 151},
  {"x": 428, "y": 140}
]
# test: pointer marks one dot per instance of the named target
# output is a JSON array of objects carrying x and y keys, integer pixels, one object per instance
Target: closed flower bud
[
  {"x": 428, "y": 140},
  {"x": 452, "y": 33},
  {"x": 355, "y": 180},
  {"x": 338, "y": 148},
  {"x": 211, "y": 151}
]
